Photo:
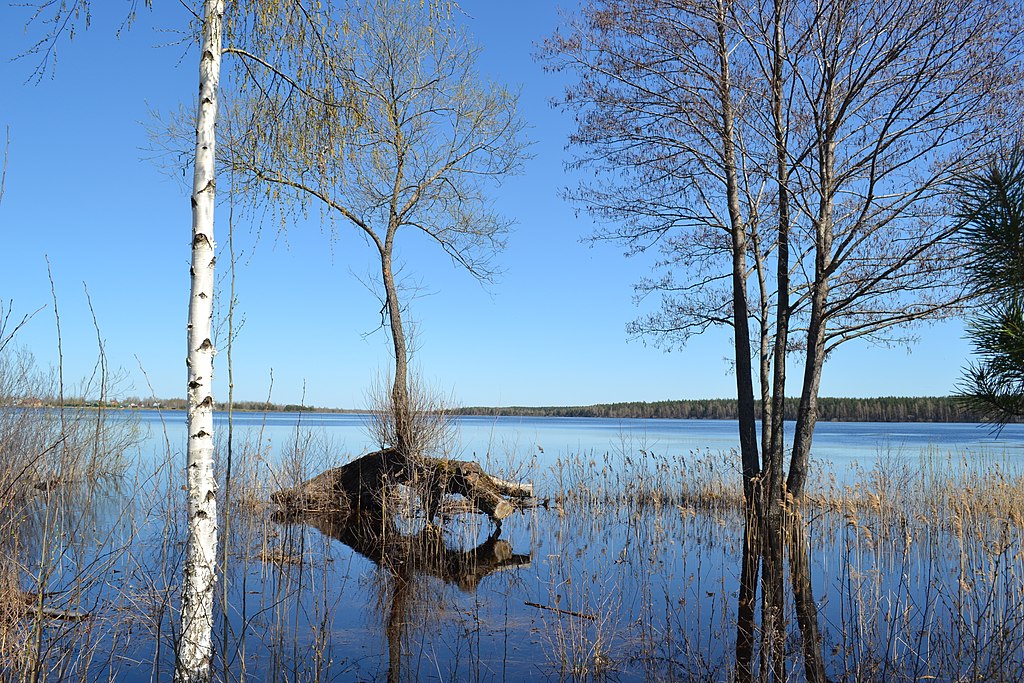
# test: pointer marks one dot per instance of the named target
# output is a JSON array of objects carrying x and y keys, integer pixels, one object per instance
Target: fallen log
[
  {"x": 33, "y": 605},
  {"x": 362, "y": 486}
]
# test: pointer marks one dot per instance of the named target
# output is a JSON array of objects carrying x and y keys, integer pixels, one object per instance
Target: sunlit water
[
  {"x": 511, "y": 440},
  {"x": 581, "y": 591}
]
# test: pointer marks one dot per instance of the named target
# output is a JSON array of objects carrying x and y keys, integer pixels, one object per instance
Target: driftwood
[
  {"x": 558, "y": 610},
  {"x": 31, "y": 606},
  {"x": 354, "y": 504},
  {"x": 362, "y": 485}
]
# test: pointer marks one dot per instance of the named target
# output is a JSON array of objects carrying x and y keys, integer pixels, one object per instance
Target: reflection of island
[
  {"x": 403, "y": 559},
  {"x": 379, "y": 540},
  {"x": 765, "y": 544}
]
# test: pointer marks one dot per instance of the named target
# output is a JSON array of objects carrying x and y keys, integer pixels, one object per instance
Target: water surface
[
  {"x": 511, "y": 439},
  {"x": 591, "y": 588}
]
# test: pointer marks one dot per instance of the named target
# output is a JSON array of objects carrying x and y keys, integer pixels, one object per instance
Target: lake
[
  {"x": 506, "y": 441},
  {"x": 897, "y": 576}
]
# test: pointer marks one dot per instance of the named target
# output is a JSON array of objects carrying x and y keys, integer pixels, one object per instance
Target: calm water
[
  {"x": 588, "y": 591},
  {"x": 506, "y": 441}
]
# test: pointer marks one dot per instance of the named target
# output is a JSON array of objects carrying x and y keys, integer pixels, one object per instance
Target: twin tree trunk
[
  {"x": 763, "y": 473},
  {"x": 195, "y": 642}
]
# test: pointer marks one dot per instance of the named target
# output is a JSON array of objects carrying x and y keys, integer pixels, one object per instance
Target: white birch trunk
[{"x": 195, "y": 641}]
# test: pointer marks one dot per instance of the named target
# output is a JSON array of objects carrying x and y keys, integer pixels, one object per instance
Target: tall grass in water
[
  {"x": 278, "y": 607},
  {"x": 697, "y": 480},
  {"x": 59, "y": 473},
  {"x": 927, "y": 557},
  {"x": 912, "y": 569}
]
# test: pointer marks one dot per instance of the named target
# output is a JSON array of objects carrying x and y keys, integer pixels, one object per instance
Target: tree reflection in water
[
  {"x": 404, "y": 560},
  {"x": 767, "y": 540}
]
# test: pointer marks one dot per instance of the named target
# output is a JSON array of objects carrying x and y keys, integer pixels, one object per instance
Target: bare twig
[
  {"x": 3, "y": 173},
  {"x": 581, "y": 615}
]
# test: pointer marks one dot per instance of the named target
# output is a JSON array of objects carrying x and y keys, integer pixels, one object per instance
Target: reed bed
[{"x": 633, "y": 570}]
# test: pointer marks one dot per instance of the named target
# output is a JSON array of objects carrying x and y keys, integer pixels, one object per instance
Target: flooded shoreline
[{"x": 635, "y": 566}]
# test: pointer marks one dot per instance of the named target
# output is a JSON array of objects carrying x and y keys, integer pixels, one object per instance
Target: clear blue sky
[{"x": 82, "y": 190}]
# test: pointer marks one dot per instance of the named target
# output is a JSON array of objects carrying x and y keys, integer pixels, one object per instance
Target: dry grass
[{"x": 432, "y": 427}]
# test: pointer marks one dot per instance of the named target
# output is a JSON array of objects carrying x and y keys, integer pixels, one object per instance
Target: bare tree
[
  {"x": 791, "y": 162},
  {"x": 404, "y": 136}
]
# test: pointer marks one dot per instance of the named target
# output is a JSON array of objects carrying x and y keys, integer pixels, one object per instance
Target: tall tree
[
  {"x": 195, "y": 641},
  {"x": 420, "y": 141},
  {"x": 992, "y": 208},
  {"x": 284, "y": 38},
  {"x": 789, "y": 161}
]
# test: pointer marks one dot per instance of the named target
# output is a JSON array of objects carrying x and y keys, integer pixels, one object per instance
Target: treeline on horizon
[{"x": 882, "y": 409}]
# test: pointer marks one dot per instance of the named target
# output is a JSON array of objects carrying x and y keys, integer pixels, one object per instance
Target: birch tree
[
  {"x": 283, "y": 37},
  {"x": 417, "y": 147},
  {"x": 195, "y": 640},
  {"x": 791, "y": 163}
]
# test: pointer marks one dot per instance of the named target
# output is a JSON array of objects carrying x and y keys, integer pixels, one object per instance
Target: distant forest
[{"x": 884, "y": 409}]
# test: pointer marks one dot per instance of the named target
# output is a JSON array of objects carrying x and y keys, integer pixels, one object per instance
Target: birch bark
[{"x": 195, "y": 642}]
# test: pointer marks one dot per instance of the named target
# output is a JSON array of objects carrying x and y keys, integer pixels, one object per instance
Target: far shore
[{"x": 937, "y": 409}]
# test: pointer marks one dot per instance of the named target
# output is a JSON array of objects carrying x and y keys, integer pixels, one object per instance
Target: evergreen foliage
[{"x": 992, "y": 208}]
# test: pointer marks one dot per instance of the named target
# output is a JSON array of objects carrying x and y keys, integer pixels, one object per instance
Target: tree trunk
[
  {"x": 764, "y": 351},
  {"x": 807, "y": 413},
  {"x": 401, "y": 410},
  {"x": 195, "y": 642},
  {"x": 741, "y": 332},
  {"x": 773, "y": 457}
]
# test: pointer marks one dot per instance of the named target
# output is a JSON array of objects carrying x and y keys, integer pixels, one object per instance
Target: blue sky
[{"x": 83, "y": 190}]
